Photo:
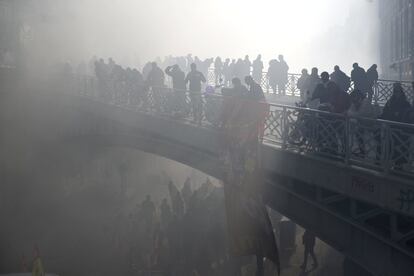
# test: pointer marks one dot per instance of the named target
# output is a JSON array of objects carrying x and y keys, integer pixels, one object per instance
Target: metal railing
[
  {"x": 382, "y": 89},
  {"x": 384, "y": 146}
]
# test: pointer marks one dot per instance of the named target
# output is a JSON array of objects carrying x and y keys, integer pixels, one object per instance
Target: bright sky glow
[{"x": 308, "y": 32}]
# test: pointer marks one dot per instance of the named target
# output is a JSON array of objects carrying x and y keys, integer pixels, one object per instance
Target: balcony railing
[{"x": 384, "y": 146}]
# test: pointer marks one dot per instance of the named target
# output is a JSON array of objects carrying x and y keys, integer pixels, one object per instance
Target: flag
[{"x": 249, "y": 226}]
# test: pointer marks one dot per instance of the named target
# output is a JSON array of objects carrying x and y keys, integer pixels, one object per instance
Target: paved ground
[{"x": 330, "y": 260}]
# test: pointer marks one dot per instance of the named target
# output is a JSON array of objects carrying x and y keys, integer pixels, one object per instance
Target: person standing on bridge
[
  {"x": 218, "y": 70},
  {"x": 282, "y": 78},
  {"x": 359, "y": 77},
  {"x": 155, "y": 81},
  {"x": 247, "y": 64},
  {"x": 227, "y": 72},
  {"x": 396, "y": 110},
  {"x": 195, "y": 78},
  {"x": 308, "y": 240},
  {"x": 341, "y": 79},
  {"x": 257, "y": 69},
  {"x": 372, "y": 78},
  {"x": 313, "y": 82},
  {"x": 272, "y": 74},
  {"x": 303, "y": 84},
  {"x": 255, "y": 90},
  {"x": 178, "y": 82}
]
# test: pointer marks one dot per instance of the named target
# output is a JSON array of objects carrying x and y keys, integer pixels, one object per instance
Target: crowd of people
[
  {"x": 330, "y": 92},
  {"x": 184, "y": 235}
]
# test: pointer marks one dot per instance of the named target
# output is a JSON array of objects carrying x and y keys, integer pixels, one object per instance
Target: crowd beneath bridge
[{"x": 183, "y": 235}]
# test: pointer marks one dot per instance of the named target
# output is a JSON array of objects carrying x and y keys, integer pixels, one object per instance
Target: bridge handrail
[
  {"x": 382, "y": 89},
  {"x": 384, "y": 146}
]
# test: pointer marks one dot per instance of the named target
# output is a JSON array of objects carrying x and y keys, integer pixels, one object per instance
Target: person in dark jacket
[
  {"x": 396, "y": 109},
  {"x": 303, "y": 84},
  {"x": 195, "y": 79},
  {"x": 359, "y": 77},
  {"x": 178, "y": 82},
  {"x": 308, "y": 240},
  {"x": 282, "y": 79},
  {"x": 340, "y": 78},
  {"x": 255, "y": 90},
  {"x": 372, "y": 78},
  {"x": 257, "y": 69}
]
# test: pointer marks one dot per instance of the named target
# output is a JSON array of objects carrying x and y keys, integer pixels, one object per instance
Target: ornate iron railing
[
  {"x": 382, "y": 88},
  {"x": 385, "y": 146}
]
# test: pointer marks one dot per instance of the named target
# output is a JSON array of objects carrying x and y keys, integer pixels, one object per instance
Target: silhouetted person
[
  {"x": 308, "y": 240},
  {"x": 282, "y": 75},
  {"x": 372, "y": 78},
  {"x": 359, "y": 77},
  {"x": 232, "y": 70},
  {"x": 177, "y": 75},
  {"x": 255, "y": 90},
  {"x": 257, "y": 69},
  {"x": 239, "y": 69},
  {"x": 218, "y": 70},
  {"x": 155, "y": 76},
  {"x": 186, "y": 192},
  {"x": 155, "y": 81},
  {"x": 227, "y": 72},
  {"x": 166, "y": 214},
  {"x": 239, "y": 90},
  {"x": 396, "y": 109},
  {"x": 195, "y": 78},
  {"x": 339, "y": 99},
  {"x": 341, "y": 79},
  {"x": 303, "y": 84},
  {"x": 321, "y": 91},
  {"x": 247, "y": 64},
  {"x": 273, "y": 74},
  {"x": 136, "y": 83},
  {"x": 178, "y": 81},
  {"x": 148, "y": 211},
  {"x": 313, "y": 81}
]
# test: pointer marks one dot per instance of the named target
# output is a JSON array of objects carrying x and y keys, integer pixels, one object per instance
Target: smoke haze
[{"x": 309, "y": 33}]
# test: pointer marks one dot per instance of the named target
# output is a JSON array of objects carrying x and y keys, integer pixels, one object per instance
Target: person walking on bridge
[
  {"x": 308, "y": 240},
  {"x": 195, "y": 79}
]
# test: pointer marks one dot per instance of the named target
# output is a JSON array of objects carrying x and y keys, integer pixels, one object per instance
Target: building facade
[{"x": 397, "y": 39}]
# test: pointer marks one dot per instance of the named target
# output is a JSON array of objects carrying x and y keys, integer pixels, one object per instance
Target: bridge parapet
[
  {"x": 382, "y": 89},
  {"x": 383, "y": 146}
]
